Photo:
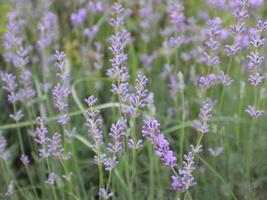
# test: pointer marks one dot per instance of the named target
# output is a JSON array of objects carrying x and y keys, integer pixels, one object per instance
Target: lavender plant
[{"x": 133, "y": 99}]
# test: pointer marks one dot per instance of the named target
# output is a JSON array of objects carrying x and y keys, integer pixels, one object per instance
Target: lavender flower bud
[
  {"x": 51, "y": 179},
  {"x": 253, "y": 112}
]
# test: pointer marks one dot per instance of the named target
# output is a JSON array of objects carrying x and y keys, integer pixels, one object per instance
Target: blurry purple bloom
[
  {"x": 210, "y": 60},
  {"x": 197, "y": 149},
  {"x": 110, "y": 163},
  {"x": 251, "y": 110},
  {"x": 115, "y": 148},
  {"x": 100, "y": 159},
  {"x": 225, "y": 79},
  {"x": 204, "y": 115},
  {"x": 257, "y": 42},
  {"x": 43, "y": 153},
  {"x": 162, "y": 149},
  {"x": 104, "y": 194},
  {"x": 241, "y": 14},
  {"x": 186, "y": 179},
  {"x": 41, "y": 121},
  {"x": 116, "y": 8},
  {"x": 255, "y": 58},
  {"x": 48, "y": 29},
  {"x": 17, "y": 116},
  {"x": 121, "y": 89},
  {"x": 45, "y": 86},
  {"x": 51, "y": 179},
  {"x": 262, "y": 26},
  {"x": 4, "y": 154},
  {"x": 232, "y": 49},
  {"x": 255, "y": 79},
  {"x": 79, "y": 17},
  {"x": 206, "y": 82},
  {"x": 176, "y": 14},
  {"x": 205, "y": 111},
  {"x": 55, "y": 147},
  {"x": 202, "y": 127},
  {"x": 60, "y": 93},
  {"x": 238, "y": 28},
  {"x": 118, "y": 130},
  {"x": 24, "y": 159},
  {"x": 212, "y": 44},
  {"x": 91, "y": 32},
  {"x": 93, "y": 122},
  {"x": 62, "y": 120},
  {"x": 9, "y": 81},
  {"x": 91, "y": 100},
  {"x": 133, "y": 145},
  {"x": 41, "y": 135}
]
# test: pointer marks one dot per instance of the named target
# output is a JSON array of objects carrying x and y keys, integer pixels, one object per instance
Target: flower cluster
[
  {"x": 138, "y": 99},
  {"x": 119, "y": 41},
  {"x": 117, "y": 132},
  {"x": 61, "y": 90},
  {"x": 93, "y": 122},
  {"x": 212, "y": 44},
  {"x": 212, "y": 79},
  {"x": 49, "y": 146},
  {"x": 4, "y": 154},
  {"x": 255, "y": 61},
  {"x": 205, "y": 115},
  {"x": 79, "y": 17},
  {"x": 185, "y": 180},
  {"x": 161, "y": 145},
  {"x": 10, "y": 85}
]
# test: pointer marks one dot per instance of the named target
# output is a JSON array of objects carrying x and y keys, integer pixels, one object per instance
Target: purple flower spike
[
  {"x": 162, "y": 149},
  {"x": 51, "y": 179},
  {"x": 253, "y": 112},
  {"x": 4, "y": 154},
  {"x": 25, "y": 160}
]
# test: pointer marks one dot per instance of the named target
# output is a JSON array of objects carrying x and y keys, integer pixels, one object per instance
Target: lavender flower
[
  {"x": 4, "y": 154},
  {"x": 110, "y": 163},
  {"x": 41, "y": 131},
  {"x": 62, "y": 120},
  {"x": 99, "y": 160},
  {"x": 138, "y": 99},
  {"x": 186, "y": 180},
  {"x": 162, "y": 149},
  {"x": 255, "y": 79},
  {"x": 206, "y": 82},
  {"x": 24, "y": 159},
  {"x": 17, "y": 116},
  {"x": 48, "y": 29},
  {"x": 104, "y": 194},
  {"x": 261, "y": 26},
  {"x": 117, "y": 132},
  {"x": 225, "y": 79},
  {"x": 51, "y": 179},
  {"x": 205, "y": 115},
  {"x": 9, "y": 84},
  {"x": 60, "y": 93},
  {"x": 93, "y": 122},
  {"x": 54, "y": 146},
  {"x": 118, "y": 42},
  {"x": 253, "y": 112},
  {"x": 135, "y": 145},
  {"x": 78, "y": 18}
]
